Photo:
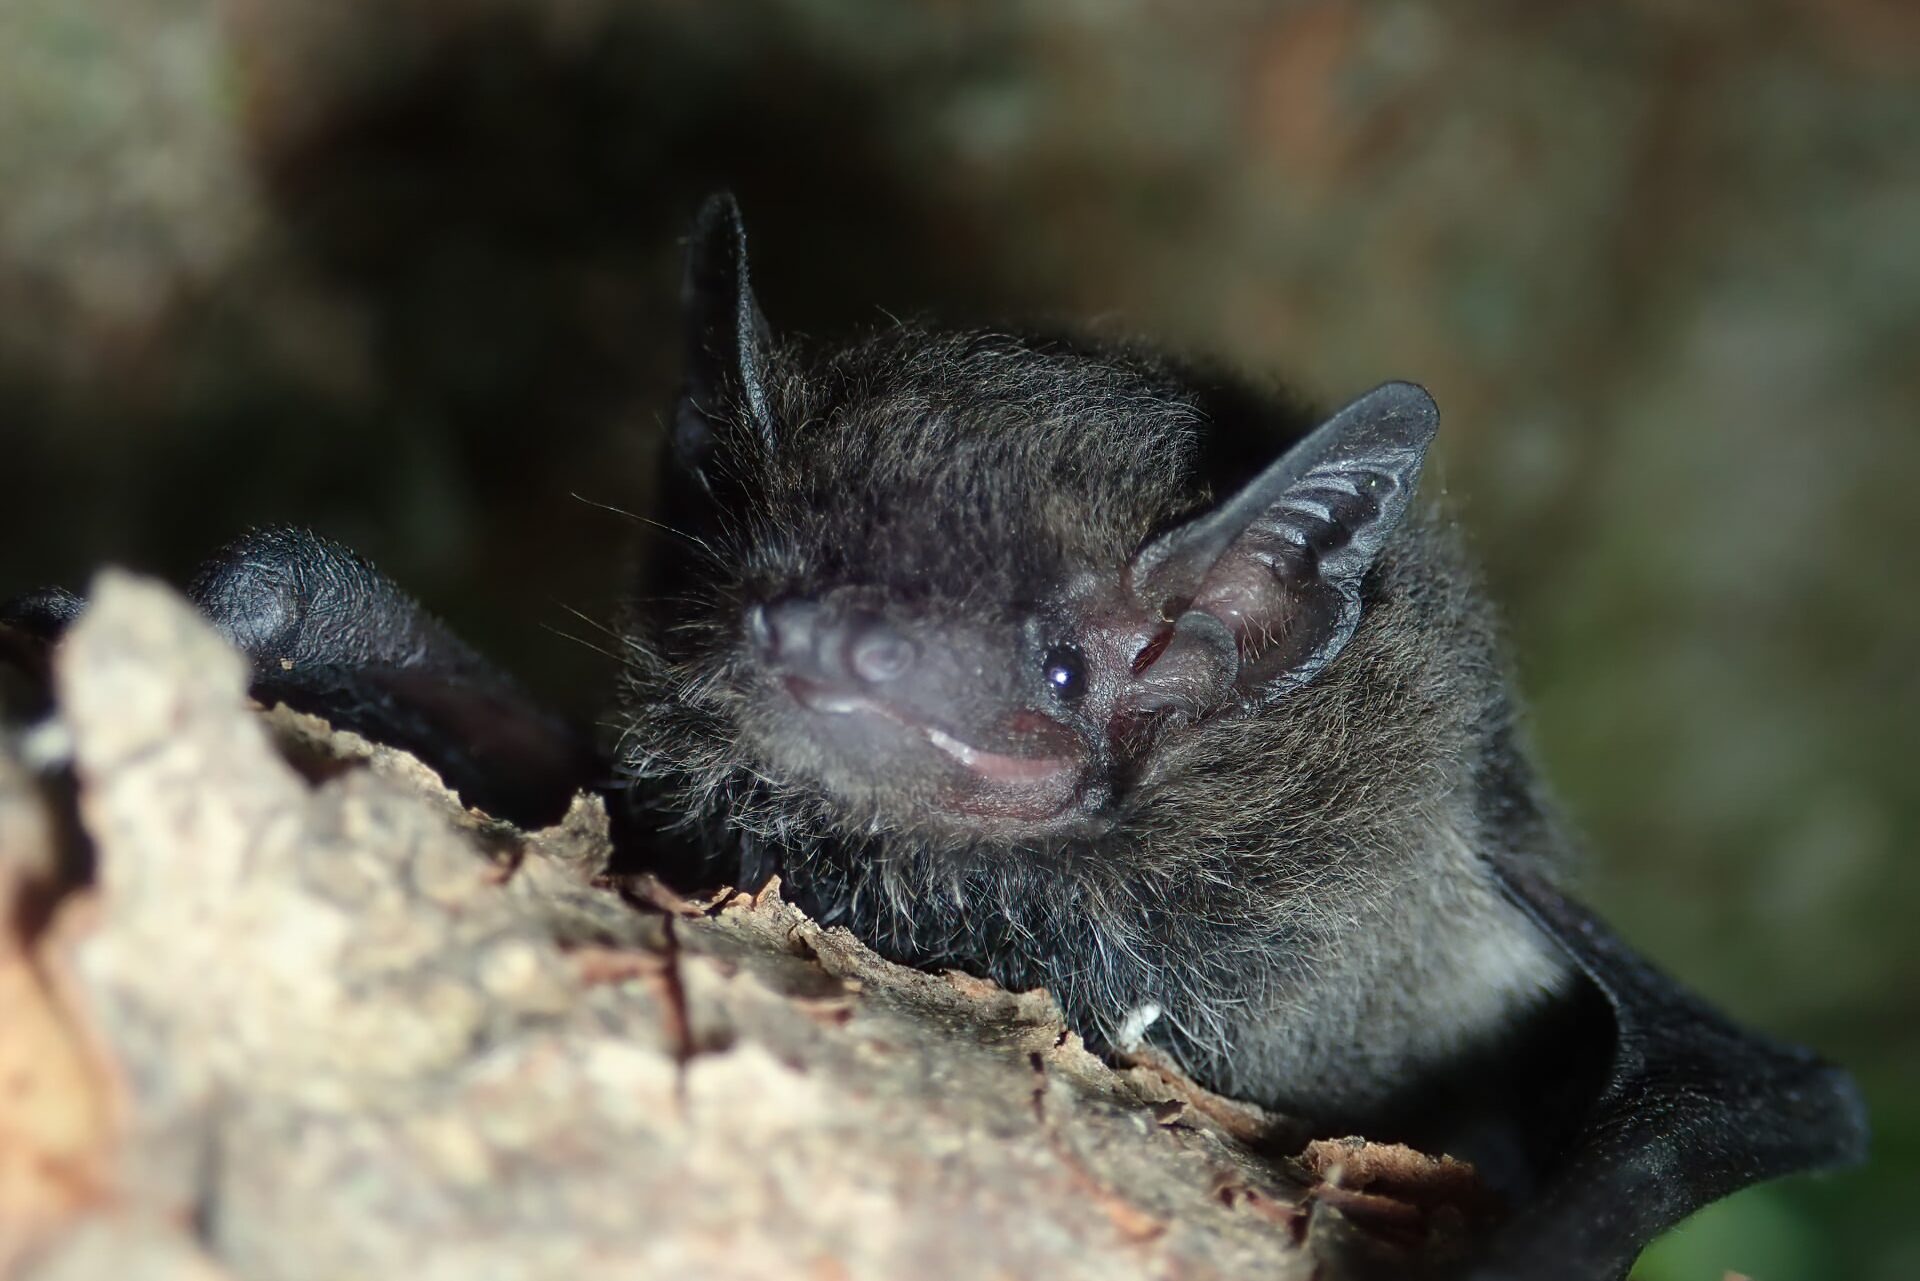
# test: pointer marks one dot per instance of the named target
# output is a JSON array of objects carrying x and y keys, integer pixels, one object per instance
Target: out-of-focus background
[{"x": 405, "y": 270}]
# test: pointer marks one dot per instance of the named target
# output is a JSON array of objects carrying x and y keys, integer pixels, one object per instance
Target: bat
[{"x": 1072, "y": 665}]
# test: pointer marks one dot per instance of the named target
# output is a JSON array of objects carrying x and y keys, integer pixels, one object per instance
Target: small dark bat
[{"x": 1069, "y": 666}]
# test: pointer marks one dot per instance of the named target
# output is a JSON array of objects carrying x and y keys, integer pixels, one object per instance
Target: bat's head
[{"x": 976, "y": 582}]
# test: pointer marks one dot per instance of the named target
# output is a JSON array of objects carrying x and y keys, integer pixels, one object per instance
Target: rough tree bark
[{"x": 277, "y": 1006}]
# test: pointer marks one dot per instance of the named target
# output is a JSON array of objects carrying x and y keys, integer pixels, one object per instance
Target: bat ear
[
  {"x": 727, "y": 337},
  {"x": 1269, "y": 581}
]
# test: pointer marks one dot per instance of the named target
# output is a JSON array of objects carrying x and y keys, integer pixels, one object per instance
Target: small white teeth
[{"x": 962, "y": 752}]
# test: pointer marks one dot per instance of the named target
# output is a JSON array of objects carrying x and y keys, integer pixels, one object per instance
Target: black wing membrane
[
  {"x": 1693, "y": 1108},
  {"x": 327, "y": 633}
]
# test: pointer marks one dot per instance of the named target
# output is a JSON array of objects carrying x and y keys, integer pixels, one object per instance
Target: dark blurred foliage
[{"x": 405, "y": 271}]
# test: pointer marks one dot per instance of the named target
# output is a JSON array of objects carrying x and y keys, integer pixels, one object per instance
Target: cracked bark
[{"x": 324, "y": 1022}]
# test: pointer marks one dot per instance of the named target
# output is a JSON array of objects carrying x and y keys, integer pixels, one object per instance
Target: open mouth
[{"x": 1004, "y": 770}]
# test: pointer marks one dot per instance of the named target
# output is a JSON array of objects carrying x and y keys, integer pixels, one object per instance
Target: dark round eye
[{"x": 1066, "y": 670}]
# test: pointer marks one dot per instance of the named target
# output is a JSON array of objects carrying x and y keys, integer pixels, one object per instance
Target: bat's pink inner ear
[
  {"x": 1190, "y": 666},
  {"x": 1151, "y": 651},
  {"x": 1272, "y": 575}
]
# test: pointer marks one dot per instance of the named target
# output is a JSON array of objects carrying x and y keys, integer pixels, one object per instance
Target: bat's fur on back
[{"x": 1299, "y": 886}]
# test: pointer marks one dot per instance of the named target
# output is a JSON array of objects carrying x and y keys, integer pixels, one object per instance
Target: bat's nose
[
  {"x": 878, "y": 653},
  {"x": 785, "y": 632},
  {"x": 761, "y": 638},
  {"x": 807, "y": 638}
]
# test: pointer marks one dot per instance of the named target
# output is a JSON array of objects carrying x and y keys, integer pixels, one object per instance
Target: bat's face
[
  {"x": 924, "y": 633},
  {"x": 931, "y": 615},
  {"x": 998, "y": 722},
  {"x": 974, "y": 582}
]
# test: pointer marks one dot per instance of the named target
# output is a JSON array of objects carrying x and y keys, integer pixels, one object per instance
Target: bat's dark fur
[
  {"x": 1300, "y": 888},
  {"x": 1027, "y": 657},
  {"x": 1321, "y": 878}
]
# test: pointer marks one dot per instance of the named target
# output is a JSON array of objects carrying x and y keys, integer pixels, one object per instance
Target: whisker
[
  {"x": 595, "y": 623},
  {"x": 692, "y": 539},
  {"x": 579, "y": 497},
  {"x": 581, "y": 641}
]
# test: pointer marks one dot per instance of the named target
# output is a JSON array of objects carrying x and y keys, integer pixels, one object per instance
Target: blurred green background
[{"x": 405, "y": 270}]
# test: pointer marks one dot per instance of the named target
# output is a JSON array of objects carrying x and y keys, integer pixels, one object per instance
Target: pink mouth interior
[{"x": 996, "y": 767}]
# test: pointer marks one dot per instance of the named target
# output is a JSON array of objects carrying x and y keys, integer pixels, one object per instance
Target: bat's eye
[{"x": 1066, "y": 670}]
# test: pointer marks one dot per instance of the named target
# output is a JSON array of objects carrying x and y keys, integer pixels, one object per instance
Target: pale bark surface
[{"x": 323, "y": 1022}]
